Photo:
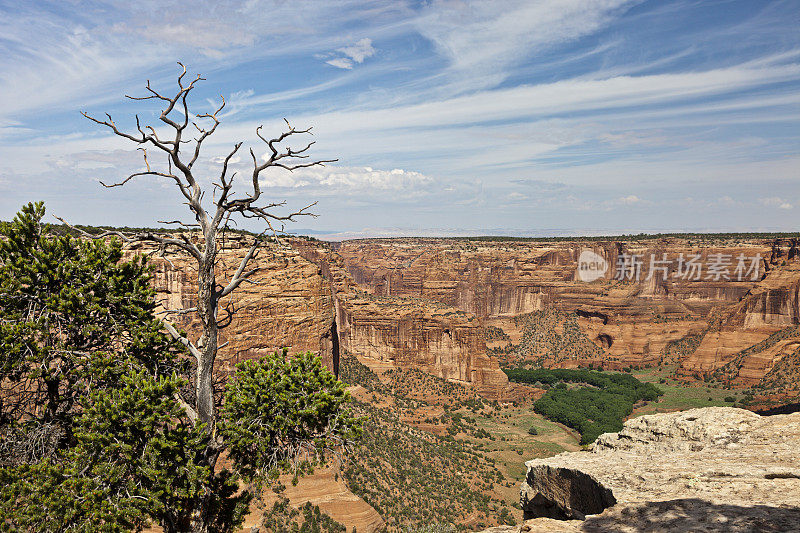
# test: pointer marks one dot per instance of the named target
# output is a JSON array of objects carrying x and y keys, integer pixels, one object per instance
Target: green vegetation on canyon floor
[{"x": 599, "y": 404}]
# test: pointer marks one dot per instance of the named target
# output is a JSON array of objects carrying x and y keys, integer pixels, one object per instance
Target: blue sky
[{"x": 447, "y": 117}]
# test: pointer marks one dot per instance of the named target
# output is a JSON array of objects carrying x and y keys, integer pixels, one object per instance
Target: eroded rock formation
[
  {"x": 289, "y": 304},
  {"x": 643, "y": 322},
  {"x": 769, "y": 308},
  {"x": 711, "y": 469},
  {"x": 401, "y": 332},
  {"x": 430, "y": 303},
  {"x": 304, "y": 300}
]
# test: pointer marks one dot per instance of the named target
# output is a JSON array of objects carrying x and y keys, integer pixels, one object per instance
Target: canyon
[
  {"x": 454, "y": 308},
  {"x": 704, "y": 321}
]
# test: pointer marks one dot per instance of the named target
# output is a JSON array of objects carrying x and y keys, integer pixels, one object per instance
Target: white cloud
[
  {"x": 354, "y": 53},
  {"x": 359, "y": 51},
  {"x": 350, "y": 180},
  {"x": 592, "y": 136},
  {"x": 629, "y": 200},
  {"x": 775, "y": 201},
  {"x": 93, "y": 55},
  {"x": 12, "y": 128},
  {"x": 636, "y": 138},
  {"x": 483, "y": 39},
  {"x": 549, "y": 99},
  {"x": 341, "y": 62},
  {"x": 219, "y": 159}
]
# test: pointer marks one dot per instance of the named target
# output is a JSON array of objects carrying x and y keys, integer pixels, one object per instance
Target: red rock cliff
[
  {"x": 634, "y": 322},
  {"x": 288, "y": 305},
  {"x": 407, "y": 332}
]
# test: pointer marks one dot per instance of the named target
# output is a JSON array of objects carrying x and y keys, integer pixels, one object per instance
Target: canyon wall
[
  {"x": 400, "y": 332},
  {"x": 753, "y": 335},
  {"x": 745, "y": 291},
  {"x": 429, "y": 303},
  {"x": 301, "y": 299},
  {"x": 288, "y": 304}
]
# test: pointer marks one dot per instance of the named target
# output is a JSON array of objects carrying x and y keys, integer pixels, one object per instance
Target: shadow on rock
[{"x": 694, "y": 515}]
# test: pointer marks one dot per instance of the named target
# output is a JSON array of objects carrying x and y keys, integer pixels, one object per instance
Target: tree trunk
[
  {"x": 207, "y": 309},
  {"x": 206, "y": 409}
]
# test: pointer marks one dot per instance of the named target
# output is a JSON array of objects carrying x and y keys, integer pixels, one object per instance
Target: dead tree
[{"x": 182, "y": 151}]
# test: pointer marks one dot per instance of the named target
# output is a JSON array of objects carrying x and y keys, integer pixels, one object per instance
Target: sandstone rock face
[
  {"x": 493, "y": 279},
  {"x": 397, "y": 332},
  {"x": 771, "y": 306},
  {"x": 427, "y": 303},
  {"x": 442, "y": 342},
  {"x": 633, "y": 322},
  {"x": 302, "y": 299},
  {"x": 710, "y": 469},
  {"x": 290, "y": 304}
]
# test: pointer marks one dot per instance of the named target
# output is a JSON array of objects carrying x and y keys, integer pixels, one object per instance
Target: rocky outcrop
[{"x": 711, "y": 469}]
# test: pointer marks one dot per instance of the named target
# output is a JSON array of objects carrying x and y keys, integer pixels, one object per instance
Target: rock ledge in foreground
[{"x": 721, "y": 468}]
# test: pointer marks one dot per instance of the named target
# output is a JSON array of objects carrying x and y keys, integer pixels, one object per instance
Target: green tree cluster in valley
[{"x": 600, "y": 406}]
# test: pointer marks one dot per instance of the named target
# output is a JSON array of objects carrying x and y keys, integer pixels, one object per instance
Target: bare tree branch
[
  {"x": 240, "y": 273},
  {"x": 183, "y": 340},
  {"x": 145, "y": 236}
]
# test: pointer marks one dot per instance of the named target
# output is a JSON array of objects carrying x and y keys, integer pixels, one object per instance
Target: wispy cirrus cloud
[{"x": 483, "y": 40}]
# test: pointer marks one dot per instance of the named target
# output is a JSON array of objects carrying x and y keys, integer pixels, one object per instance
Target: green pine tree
[{"x": 92, "y": 434}]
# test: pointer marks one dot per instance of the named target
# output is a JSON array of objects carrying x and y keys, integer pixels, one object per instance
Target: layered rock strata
[
  {"x": 636, "y": 321},
  {"x": 302, "y": 299},
  {"x": 428, "y": 303},
  {"x": 397, "y": 332},
  {"x": 288, "y": 304},
  {"x": 772, "y": 306}
]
